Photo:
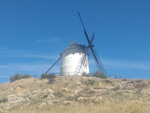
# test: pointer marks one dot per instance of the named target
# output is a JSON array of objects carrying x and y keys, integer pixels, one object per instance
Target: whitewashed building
[{"x": 74, "y": 60}]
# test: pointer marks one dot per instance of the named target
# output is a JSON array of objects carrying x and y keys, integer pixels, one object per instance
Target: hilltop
[{"x": 75, "y": 94}]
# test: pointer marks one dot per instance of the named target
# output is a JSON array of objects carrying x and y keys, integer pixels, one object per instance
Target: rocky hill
[{"x": 75, "y": 94}]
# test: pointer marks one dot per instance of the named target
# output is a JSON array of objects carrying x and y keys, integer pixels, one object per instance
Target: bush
[
  {"x": 51, "y": 81},
  {"x": 141, "y": 85},
  {"x": 99, "y": 75},
  {"x": 18, "y": 76},
  {"x": 47, "y": 76},
  {"x": 58, "y": 94},
  {"x": 116, "y": 88},
  {"x": 43, "y": 76},
  {"x": 91, "y": 82},
  {"x": 108, "y": 81},
  {"x": 3, "y": 100},
  {"x": 124, "y": 79},
  {"x": 15, "y": 77},
  {"x": 86, "y": 74},
  {"x": 26, "y": 76}
]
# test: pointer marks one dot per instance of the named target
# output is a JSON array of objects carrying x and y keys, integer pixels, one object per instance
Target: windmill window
[
  {"x": 79, "y": 53},
  {"x": 73, "y": 53}
]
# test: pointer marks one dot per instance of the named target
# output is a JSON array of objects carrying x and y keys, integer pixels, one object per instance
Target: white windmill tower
[{"x": 74, "y": 59}]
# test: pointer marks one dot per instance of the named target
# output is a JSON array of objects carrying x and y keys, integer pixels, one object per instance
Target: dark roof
[{"x": 74, "y": 47}]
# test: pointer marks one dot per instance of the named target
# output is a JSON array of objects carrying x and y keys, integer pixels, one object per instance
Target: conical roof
[{"x": 74, "y": 48}]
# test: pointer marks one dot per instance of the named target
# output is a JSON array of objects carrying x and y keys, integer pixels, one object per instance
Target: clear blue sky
[{"x": 34, "y": 32}]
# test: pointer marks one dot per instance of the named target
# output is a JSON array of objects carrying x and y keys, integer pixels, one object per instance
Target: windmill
[{"x": 74, "y": 59}]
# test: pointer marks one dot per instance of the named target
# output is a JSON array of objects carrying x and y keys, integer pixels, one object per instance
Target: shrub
[
  {"x": 99, "y": 75},
  {"x": 116, "y": 88},
  {"x": 70, "y": 98},
  {"x": 86, "y": 74},
  {"x": 3, "y": 100},
  {"x": 91, "y": 82},
  {"x": 51, "y": 81},
  {"x": 47, "y": 76},
  {"x": 15, "y": 77},
  {"x": 141, "y": 85},
  {"x": 58, "y": 94},
  {"x": 26, "y": 76},
  {"x": 138, "y": 80},
  {"x": 43, "y": 76},
  {"x": 18, "y": 76},
  {"x": 108, "y": 81},
  {"x": 124, "y": 79}
]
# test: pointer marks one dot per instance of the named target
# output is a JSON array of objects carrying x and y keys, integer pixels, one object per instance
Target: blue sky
[{"x": 33, "y": 33}]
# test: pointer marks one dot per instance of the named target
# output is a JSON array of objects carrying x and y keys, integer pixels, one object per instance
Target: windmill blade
[
  {"x": 52, "y": 65},
  {"x": 98, "y": 62},
  {"x": 82, "y": 63},
  {"x": 85, "y": 31},
  {"x": 92, "y": 38}
]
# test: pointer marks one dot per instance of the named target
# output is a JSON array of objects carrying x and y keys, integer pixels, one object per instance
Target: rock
[
  {"x": 90, "y": 99},
  {"x": 20, "y": 98},
  {"x": 65, "y": 90},
  {"x": 16, "y": 99},
  {"x": 49, "y": 102},
  {"x": 18, "y": 88},
  {"x": 77, "y": 91},
  {"x": 41, "y": 93},
  {"x": 79, "y": 83},
  {"x": 81, "y": 99},
  {"x": 67, "y": 103},
  {"x": 56, "y": 101},
  {"x": 42, "y": 105},
  {"x": 91, "y": 91},
  {"x": 20, "y": 94},
  {"x": 51, "y": 96}
]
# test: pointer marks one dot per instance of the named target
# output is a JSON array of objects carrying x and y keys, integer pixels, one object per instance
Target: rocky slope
[{"x": 70, "y": 90}]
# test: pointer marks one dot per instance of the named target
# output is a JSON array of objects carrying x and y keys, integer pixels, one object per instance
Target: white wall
[{"x": 69, "y": 64}]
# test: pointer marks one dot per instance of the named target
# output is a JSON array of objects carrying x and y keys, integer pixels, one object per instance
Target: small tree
[
  {"x": 15, "y": 77},
  {"x": 99, "y": 75},
  {"x": 26, "y": 76}
]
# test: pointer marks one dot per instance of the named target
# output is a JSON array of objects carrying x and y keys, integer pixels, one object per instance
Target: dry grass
[
  {"x": 110, "y": 107},
  {"x": 123, "y": 96}
]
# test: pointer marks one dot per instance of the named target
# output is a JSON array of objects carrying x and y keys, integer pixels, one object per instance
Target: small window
[
  {"x": 73, "y": 53},
  {"x": 79, "y": 53}
]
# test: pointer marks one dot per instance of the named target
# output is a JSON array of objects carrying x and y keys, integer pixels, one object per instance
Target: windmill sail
[
  {"x": 92, "y": 38},
  {"x": 102, "y": 69},
  {"x": 98, "y": 62}
]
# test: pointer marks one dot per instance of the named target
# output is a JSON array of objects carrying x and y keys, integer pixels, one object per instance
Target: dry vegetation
[
  {"x": 75, "y": 94},
  {"x": 111, "y": 107}
]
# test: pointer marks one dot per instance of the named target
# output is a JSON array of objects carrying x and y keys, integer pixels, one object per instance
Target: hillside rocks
[
  {"x": 41, "y": 97},
  {"x": 71, "y": 90}
]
